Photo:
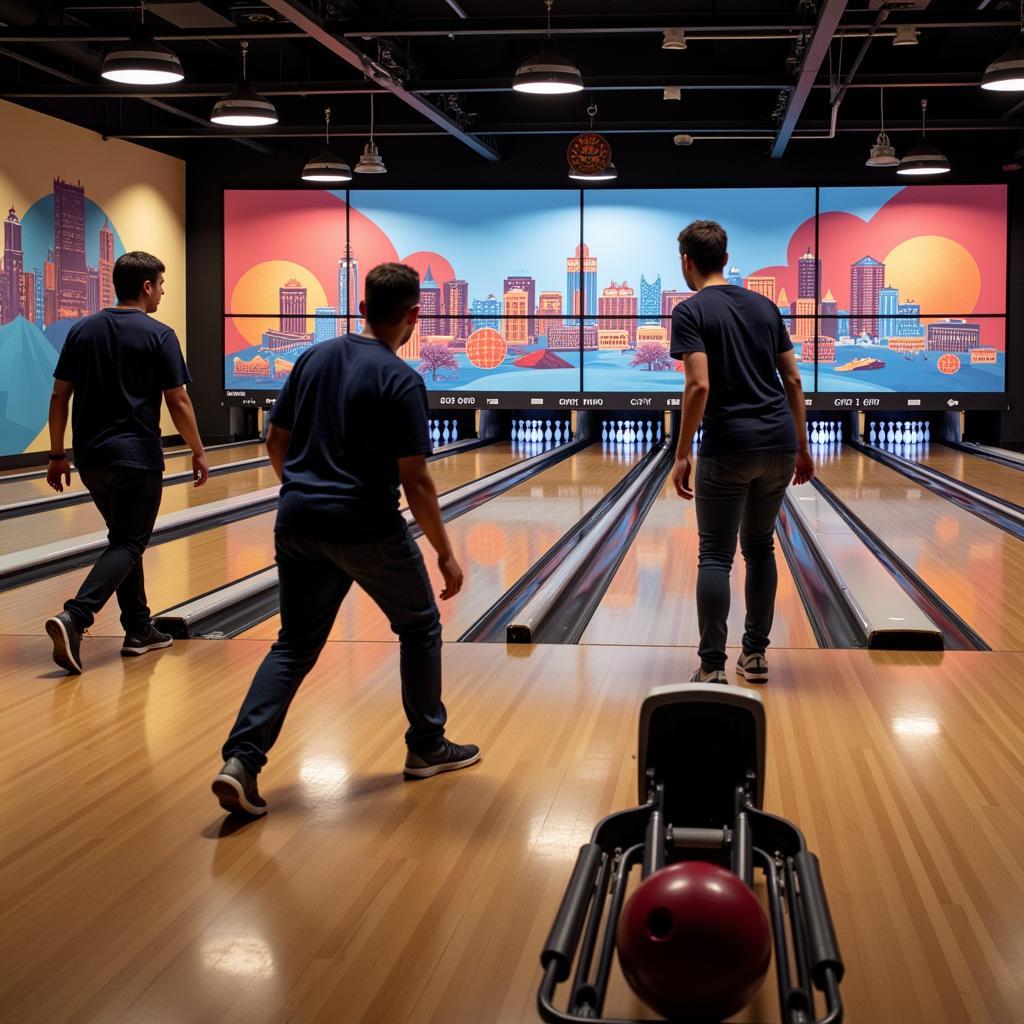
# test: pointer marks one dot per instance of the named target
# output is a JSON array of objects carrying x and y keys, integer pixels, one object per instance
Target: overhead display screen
[{"x": 893, "y": 296}]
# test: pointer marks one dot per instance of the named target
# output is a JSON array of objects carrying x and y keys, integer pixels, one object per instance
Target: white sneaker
[{"x": 753, "y": 667}]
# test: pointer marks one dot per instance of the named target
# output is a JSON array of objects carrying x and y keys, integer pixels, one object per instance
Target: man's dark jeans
[
  {"x": 128, "y": 500},
  {"x": 314, "y": 577},
  {"x": 738, "y": 495}
]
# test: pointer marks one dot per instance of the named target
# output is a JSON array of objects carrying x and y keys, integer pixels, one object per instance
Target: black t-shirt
[
  {"x": 120, "y": 362},
  {"x": 743, "y": 334},
  {"x": 353, "y": 408}
]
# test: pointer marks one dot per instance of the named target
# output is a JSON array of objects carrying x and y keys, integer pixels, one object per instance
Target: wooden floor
[
  {"x": 125, "y": 896},
  {"x": 976, "y": 568},
  {"x": 1001, "y": 481}
]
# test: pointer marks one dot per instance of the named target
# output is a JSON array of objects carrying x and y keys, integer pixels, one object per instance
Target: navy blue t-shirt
[
  {"x": 120, "y": 361},
  {"x": 743, "y": 334},
  {"x": 354, "y": 408}
]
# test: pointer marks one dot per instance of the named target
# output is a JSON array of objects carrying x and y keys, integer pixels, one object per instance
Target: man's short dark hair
[
  {"x": 391, "y": 290},
  {"x": 707, "y": 245},
  {"x": 132, "y": 271}
]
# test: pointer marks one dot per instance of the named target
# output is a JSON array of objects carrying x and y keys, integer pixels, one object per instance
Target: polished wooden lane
[
  {"x": 176, "y": 462},
  {"x": 999, "y": 481},
  {"x": 363, "y": 899},
  {"x": 192, "y": 565},
  {"x": 495, "y": 543},
  {"x": 976, "y": 568},
  {"x": 652, "y": 598}
]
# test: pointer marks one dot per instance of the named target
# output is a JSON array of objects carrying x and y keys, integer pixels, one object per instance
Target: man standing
[
  {"x": 117, "y": 363},
  {"x": 735, "y": 347},
  {"x": 349, "y": 426}
]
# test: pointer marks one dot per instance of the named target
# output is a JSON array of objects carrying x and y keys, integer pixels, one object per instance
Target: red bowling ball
[{"x": 694, "y": 942}]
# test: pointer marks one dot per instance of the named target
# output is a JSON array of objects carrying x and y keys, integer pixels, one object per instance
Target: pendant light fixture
[
  {"x": 1006, "y": 73},
  {"x": 370, "y": 162},
  {"x": 590, "y": 155},
  {"x": 925, "y": 159},
  {"x": 141, "y": 60},
  {"x": 245, "y": 107},
  {"x": 326, "y": 166},
  {"x": 883, "y": 153},
  {"x": 548, "y": 73}
]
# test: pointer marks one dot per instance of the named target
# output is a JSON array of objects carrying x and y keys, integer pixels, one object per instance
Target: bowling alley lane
[
  {"x": 975, "y": 568},
  {"x": 652, "y": 597},
  {"x": 973, "y": 470},
  {"x": 184, "y": 568},
  {"x": 177, "y": 461},
  {"x": 495, "y": 543}
]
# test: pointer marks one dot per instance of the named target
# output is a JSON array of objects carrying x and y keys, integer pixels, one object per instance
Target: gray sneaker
[
  {"x": 235, "y": 789},
  {"x": 448, "y": 757},
  {"x": 714, "y": 676},
  {"x": 150, "y": 639},
  {"x": 753, "y": 667}
]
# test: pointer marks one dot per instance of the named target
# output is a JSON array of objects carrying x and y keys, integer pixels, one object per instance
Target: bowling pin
[
  {"x": 455, "y": 430},
  {"x": 558, "y": 432},
  {"x": 604, "y": 430},
  {"x": 445, "y": 435},
  {"x": 899, "y": 433},
  {"x": 547, "y": 431},
  {"x": 831, "y": 432},
  {"x": 927, "y": 431},
  {"x": 839, "y": 432},
  {"x": 436, "y": 435},
  {"x": 658, "y": 430},
  {"x": 873, "y": 436},
  {"x": 890, "y": 434},
  {"x": 650, "y": 433}
]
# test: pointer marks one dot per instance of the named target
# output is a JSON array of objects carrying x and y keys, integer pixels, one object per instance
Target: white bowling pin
[
  {"x": 873, "y": 436},
  {"x": 604, "y": 430},
  {"x": 890, "y": 434},
  {"x": 839, "y": 432},
  {"x": 927, "y": 431},
  {"x": 445, "y": 435},
  {"x": 547, "y": 431},
  {"x": 455, "y": 430}
]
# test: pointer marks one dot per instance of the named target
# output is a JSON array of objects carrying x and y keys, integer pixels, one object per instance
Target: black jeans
[
  {"x": 738, "y": 494},
  {"x": 314, "y": 577},
  {"x": 128, "y": 500}
]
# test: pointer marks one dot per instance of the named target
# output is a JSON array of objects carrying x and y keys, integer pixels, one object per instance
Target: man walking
[
  {"x": 349, "y": 426},
  {"x": 735, "y": 348},
  {"x": 117, "y": 363}
]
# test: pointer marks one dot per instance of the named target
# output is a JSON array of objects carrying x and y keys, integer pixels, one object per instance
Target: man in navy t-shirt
[
  {"x": 349, "y": 426},
  {"x": 118, "y": 363},
  {"x": 742, "y": 380}
]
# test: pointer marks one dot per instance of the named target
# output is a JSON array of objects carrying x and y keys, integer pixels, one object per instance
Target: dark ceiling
[{"x": 759, "y": 80}]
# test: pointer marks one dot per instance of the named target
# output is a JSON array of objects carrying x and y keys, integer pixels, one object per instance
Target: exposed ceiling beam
[
  {"x": 159, "y": 104},
  {"x": 814, "y": 56},
  {"x": 113, "y": 35},
  {"x": 695, "y": 25},
  {"x": 305, "y": 19},
  {"x": 209, "y": 91}
]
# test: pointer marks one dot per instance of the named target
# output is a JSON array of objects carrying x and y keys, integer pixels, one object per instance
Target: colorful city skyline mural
[
  {"x": 512, "y": 299},
  {"x": 58, "y": 258}
]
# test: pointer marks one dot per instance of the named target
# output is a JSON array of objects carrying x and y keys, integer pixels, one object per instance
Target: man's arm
[
  {"x": 790, "y": 374},
  {"x": 58, "y": 471},
  {"x": 179, "y": 405},
  {"x": 277, "y": 447},
  {"x": 422, "y": 497},
  {"x": 695, "y": 398}
]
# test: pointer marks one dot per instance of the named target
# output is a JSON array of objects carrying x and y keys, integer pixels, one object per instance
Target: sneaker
[
  {"x": 448, "y": 757},
  {"x": 716, "y": 675},
  {"x": 235, "y": 789},
  {"x": 753, "y": 667},
  {"x": 141, "y": 643},
  {"x": 67, "y": 642}
]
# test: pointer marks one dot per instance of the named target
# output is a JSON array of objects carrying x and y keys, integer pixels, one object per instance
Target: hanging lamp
[
  {"x": 326, "y": 166},
  {"x": 1006, "y": 73},
  {"x": 883, "y": 153},
  {"x": 370, "y": 162},
  {"x": 548, "y": 73},
  {"x": 141, "y": 60},
  {"x": 245, "y": 107},
  {"x": 590, "y": 154},
  {"x": 925, "y": 159}
]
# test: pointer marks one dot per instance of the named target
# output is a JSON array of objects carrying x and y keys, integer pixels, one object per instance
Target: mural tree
[
  {"x": 435, "y": 356},
  {"x": 652, "y": 355}
]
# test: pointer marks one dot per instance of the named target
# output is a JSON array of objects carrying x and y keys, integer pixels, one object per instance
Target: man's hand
[
  {"x": 452, "y": 573},
  {"x": 681, "y": 476},
  {"x": 58, "y": 473},
  {"x": 804, "y": 467},
  {"x": 200, "y": 469}
]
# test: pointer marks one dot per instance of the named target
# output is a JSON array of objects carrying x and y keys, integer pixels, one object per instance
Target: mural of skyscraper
[
  {"x": 650, "y": 300},
  {"x": 455, "y": 304},
  {"x": 486, "y": 313},
  {"x": 828, "y": 323},
  {"x": 734, "y": 277},
  {"x": 430, "y": 305},
  {"x": 326, "y": 325},
  {"x": 106, "y": 268},
  {"x": 867, "y": 279},
  {"x": 549, "y": 303},
  {"x": 888, "y": 307},
  {"x": 808, "y": 276},
  {"x": 619, "y": 302},
  {"x": 291, "y": 334},
  {"x": 515, "y": 302},
  {"x": 909, "y": 324},
  {"x": 581, "y": 274},
  {"x": 69, "y": 248},
  {"x": 763, "y": 285},
  {"x": 529, "y": 285},
  {"x": 348, "y": 289},
  {"x": 14, "y": 265}
]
